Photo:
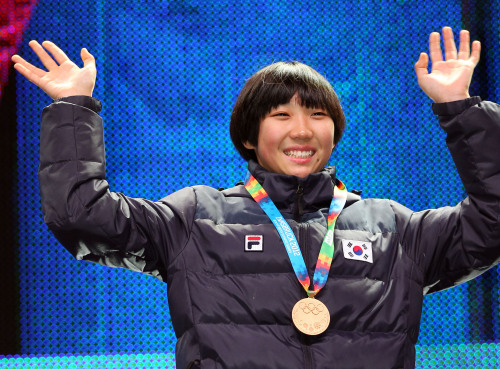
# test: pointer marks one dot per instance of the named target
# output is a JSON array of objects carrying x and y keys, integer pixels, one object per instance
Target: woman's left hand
[{"x": 449, "y": 79}]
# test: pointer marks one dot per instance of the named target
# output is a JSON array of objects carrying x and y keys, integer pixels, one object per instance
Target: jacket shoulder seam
[
  {"x": 401, "y": 236},
  {"x": 190, "y": 230}
]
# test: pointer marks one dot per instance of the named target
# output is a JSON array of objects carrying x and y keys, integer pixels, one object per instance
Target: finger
[
  {"x": 476, "y": 52},
  {"x": 450, "y": 49},
  {"x": 18, "y": 60},
  {"x": 464, "y": 49},
  {"x": 421, "y": 65},
  {"x": 30, "y": 76},
  {"x": 87, "y": 58},
  {"x": 56, "y": 52},
  {"x": 435, "y": 47},
  {"x": 45, "y": 58}
]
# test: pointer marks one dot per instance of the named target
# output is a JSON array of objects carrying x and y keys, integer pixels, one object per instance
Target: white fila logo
[
  {"x": 254, "y": 243},
  {"x": 358, "y": 250}
]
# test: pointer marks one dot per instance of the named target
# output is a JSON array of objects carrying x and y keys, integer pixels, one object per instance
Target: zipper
[
  {"x": 302, "y": 239},
  {"x": 303, "y": 232},
  {"x": 305, "y": 342},
  {"x": 299, "y": 209},
  {"x": 308, "y": 358}
]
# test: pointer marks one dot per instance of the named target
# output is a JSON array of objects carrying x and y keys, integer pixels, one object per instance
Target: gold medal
[{"x": 310, "y": 316}]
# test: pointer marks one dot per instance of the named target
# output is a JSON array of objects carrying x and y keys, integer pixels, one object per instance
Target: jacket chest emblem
[
  {"x": 254, "y": 243},
  {"x": 358, "y": 250}
]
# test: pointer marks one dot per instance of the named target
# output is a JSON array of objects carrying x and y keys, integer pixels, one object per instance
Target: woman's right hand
[{"x": 64, "y": 78}]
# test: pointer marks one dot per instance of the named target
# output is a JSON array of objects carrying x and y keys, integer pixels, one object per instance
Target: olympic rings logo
[{"x": 311, "y": 307}]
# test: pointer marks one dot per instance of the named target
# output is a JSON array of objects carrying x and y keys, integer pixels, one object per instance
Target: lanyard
[{"x": 292, "y": 246}]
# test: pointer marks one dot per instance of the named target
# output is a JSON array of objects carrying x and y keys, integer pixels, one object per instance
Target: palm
[
  {"x": 63, "y": 78},
  {"x": 67, "y": 78},
  {"x": 449, "y": 79}
]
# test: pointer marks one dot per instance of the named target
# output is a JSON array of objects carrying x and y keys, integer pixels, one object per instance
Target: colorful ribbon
[{"x": 292, "y": 246}]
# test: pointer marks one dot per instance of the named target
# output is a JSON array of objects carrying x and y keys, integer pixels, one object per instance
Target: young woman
[{"x": 288, "y": 270}]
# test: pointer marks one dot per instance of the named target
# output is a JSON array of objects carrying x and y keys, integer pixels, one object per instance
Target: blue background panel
[{"x": 169, "y": 73}]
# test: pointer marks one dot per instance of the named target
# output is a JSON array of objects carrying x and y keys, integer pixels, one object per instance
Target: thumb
[
  {"x": 87, "y": 58},
  {"x": 421, "y": 65}
]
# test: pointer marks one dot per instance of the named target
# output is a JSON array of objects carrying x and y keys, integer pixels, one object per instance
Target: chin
[{"x": 302, "y": 173}]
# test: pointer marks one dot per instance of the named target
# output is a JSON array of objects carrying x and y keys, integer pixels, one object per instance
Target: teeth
[{"x": 299, "y": 154}]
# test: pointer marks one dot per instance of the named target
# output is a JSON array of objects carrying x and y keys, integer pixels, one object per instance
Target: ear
[{"x": 249, "y": 146}]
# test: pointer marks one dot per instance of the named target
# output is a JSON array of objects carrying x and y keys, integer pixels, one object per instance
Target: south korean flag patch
[{"x": 358, "y": 250}]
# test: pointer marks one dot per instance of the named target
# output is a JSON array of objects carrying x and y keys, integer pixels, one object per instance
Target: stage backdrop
[{"x": 168, "y": 75}]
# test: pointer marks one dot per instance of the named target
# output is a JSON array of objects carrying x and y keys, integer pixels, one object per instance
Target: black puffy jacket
[{"x": 231, "y": 308}]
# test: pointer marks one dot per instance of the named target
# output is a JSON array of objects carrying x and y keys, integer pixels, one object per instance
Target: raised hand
[
  {"x": 449, "y": 79},
  {"x": 64, "y": 78}
]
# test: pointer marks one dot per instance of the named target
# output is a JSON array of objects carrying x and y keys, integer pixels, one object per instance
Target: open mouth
[{"x": 299, "y": 154}]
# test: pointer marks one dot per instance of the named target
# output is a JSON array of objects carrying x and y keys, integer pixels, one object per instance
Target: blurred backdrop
[{"x": 168, "y": 75}]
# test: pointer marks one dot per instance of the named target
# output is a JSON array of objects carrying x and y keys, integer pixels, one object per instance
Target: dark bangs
[{"x": 274, "y": 85}]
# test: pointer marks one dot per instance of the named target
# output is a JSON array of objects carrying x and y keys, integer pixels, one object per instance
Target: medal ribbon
[{"x": 292, "y": 246}]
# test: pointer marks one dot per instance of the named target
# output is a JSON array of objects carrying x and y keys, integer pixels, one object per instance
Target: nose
[{"x": 301, "y": 127}]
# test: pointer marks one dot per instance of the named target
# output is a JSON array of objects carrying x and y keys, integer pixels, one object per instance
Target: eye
[
  {"x": 320, "y": 113},
  {"x": 280, "y": 114}
]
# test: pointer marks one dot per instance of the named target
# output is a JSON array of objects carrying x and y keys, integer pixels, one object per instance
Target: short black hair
[{"x": 275, "y": 85}]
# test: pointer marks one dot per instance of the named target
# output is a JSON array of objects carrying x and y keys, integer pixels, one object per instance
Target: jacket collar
[{"x": 293, "y": 194}]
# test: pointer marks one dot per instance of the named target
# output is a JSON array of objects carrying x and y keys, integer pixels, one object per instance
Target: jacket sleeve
[
  {"x": 451, "y": 245},
  {"x": 91, "y": 222}
]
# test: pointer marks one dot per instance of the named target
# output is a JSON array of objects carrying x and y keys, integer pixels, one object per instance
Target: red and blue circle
[{"x": 357, "y": 250}]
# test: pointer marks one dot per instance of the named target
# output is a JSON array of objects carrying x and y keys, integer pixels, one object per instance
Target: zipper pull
[
  {"x": 298, "y": 202},
  {"x": 300, "y": 191}
]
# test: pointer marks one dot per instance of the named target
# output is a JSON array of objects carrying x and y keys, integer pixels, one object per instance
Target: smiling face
[{"x": 294, "y": 139}]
